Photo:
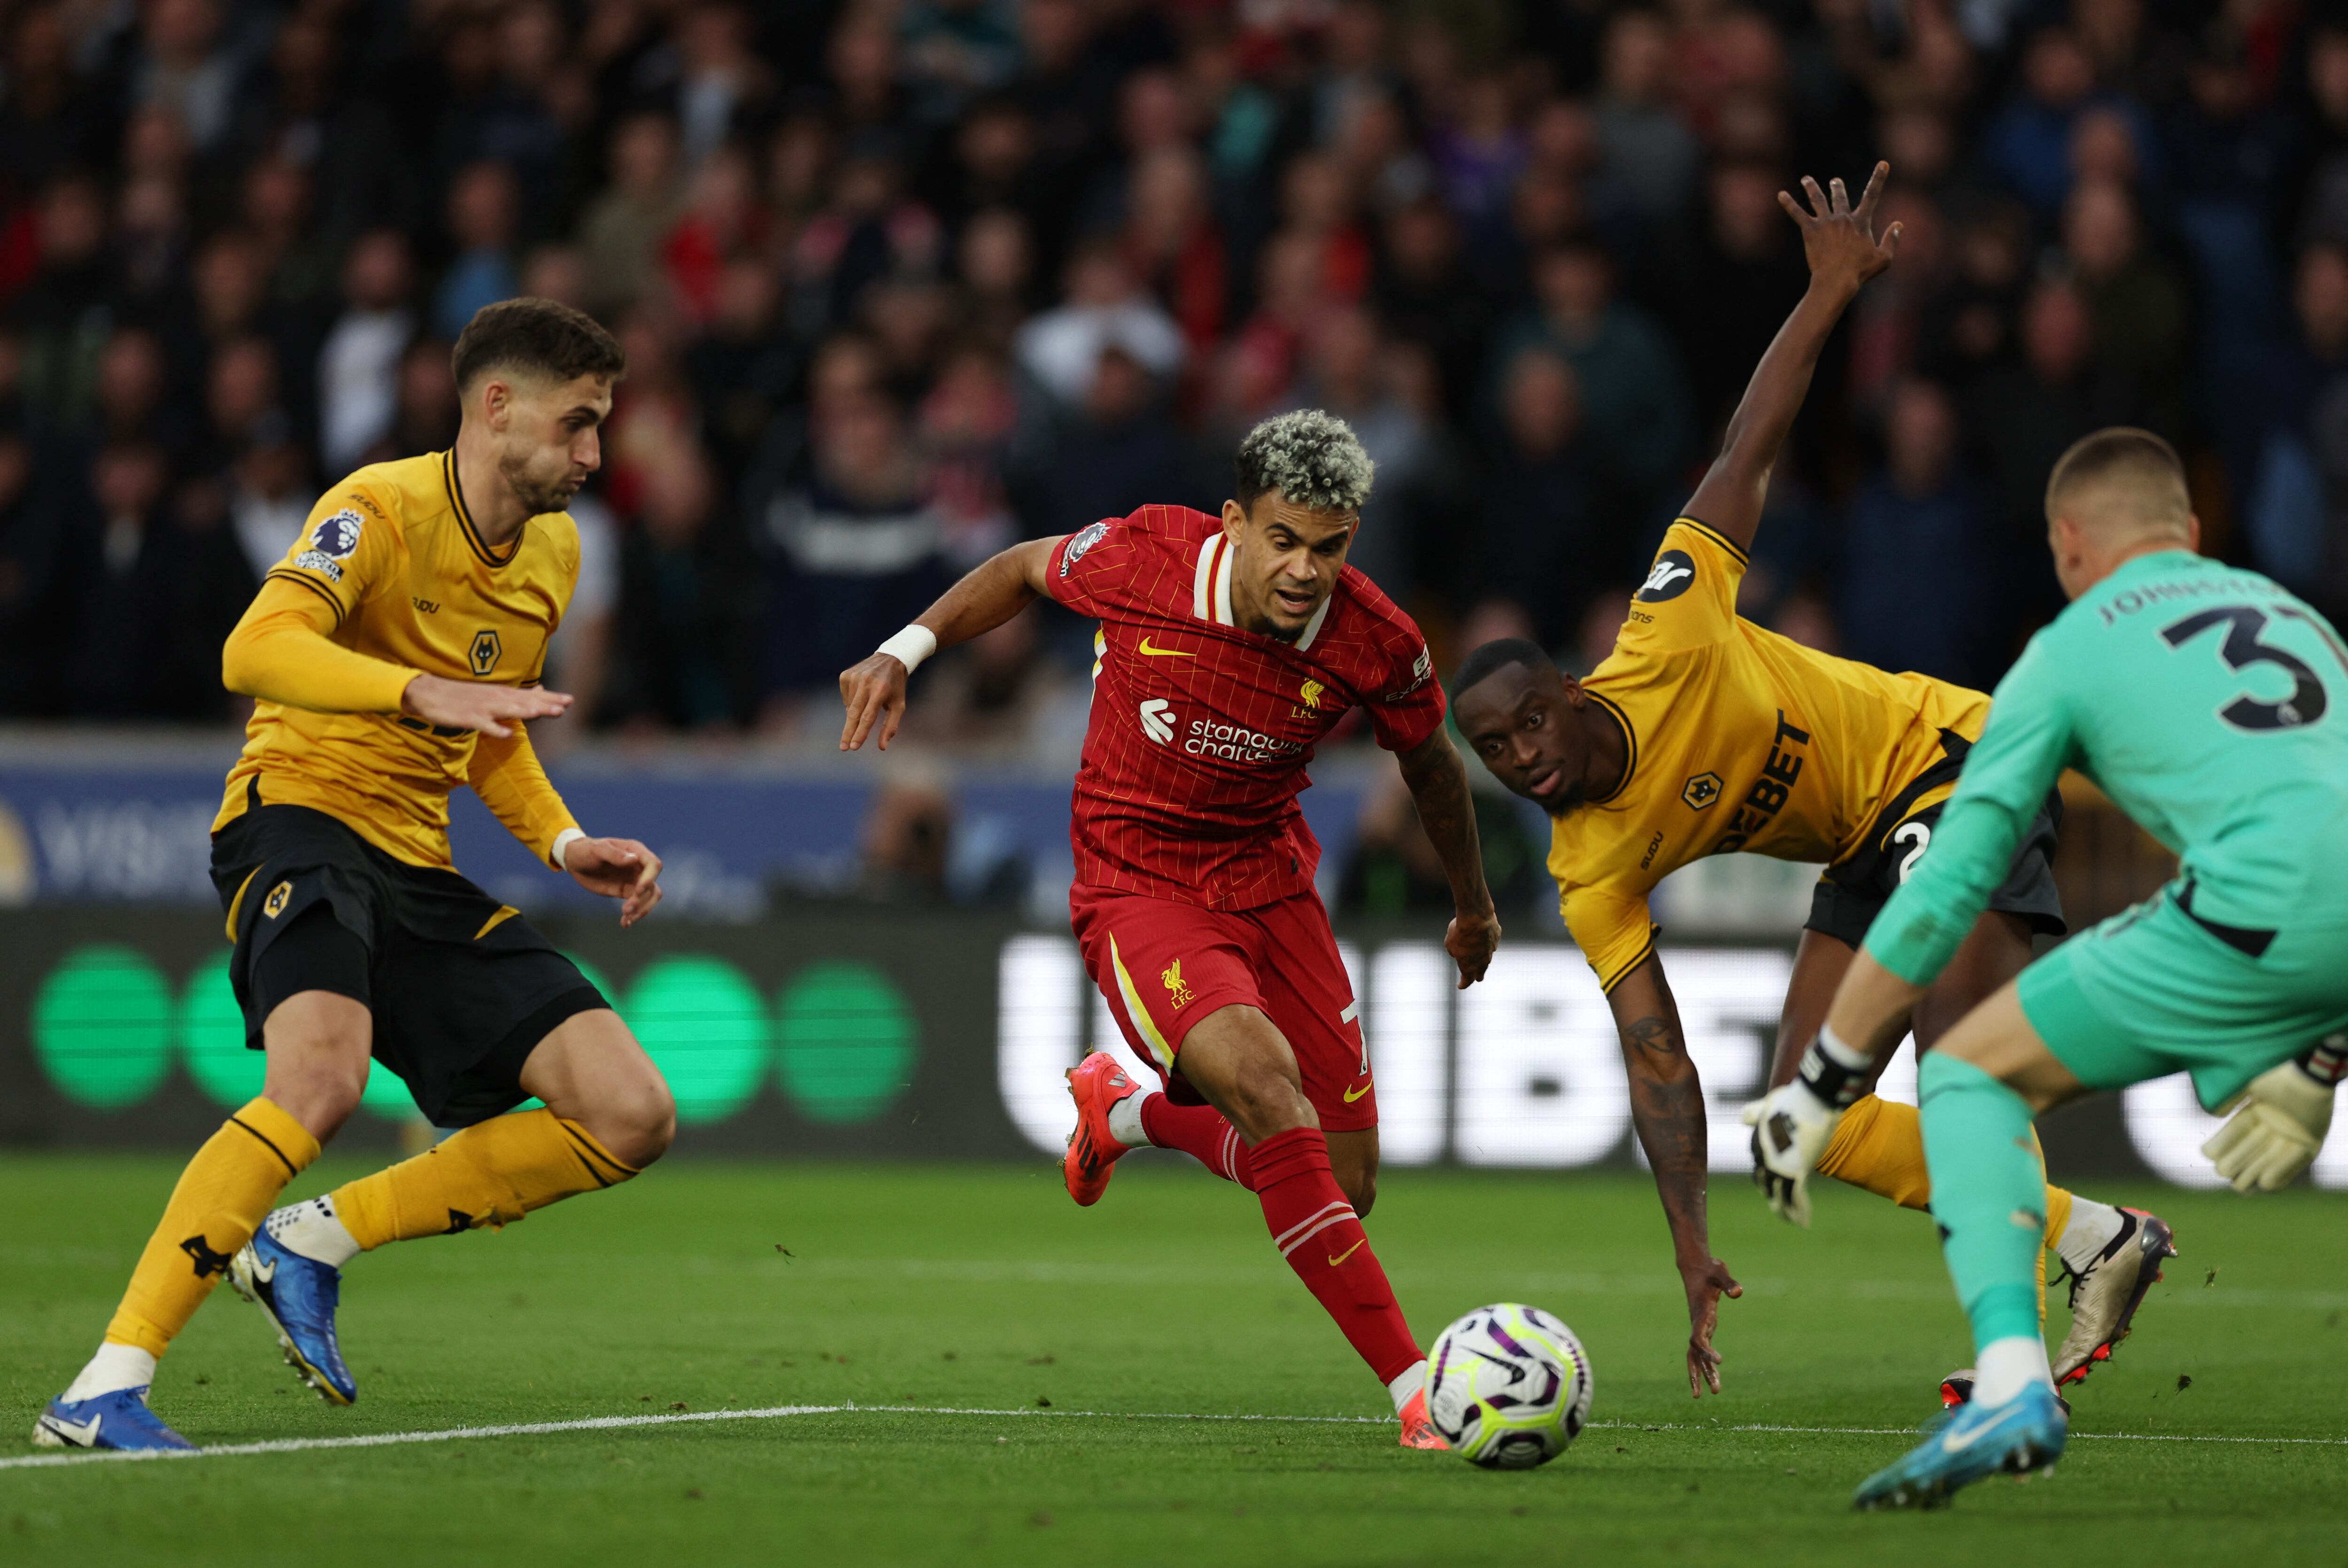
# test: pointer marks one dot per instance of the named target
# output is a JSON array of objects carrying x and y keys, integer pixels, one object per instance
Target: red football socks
[
  {"x": 1318, "y": 1232},
  {"x": 1202, "y": 1133}
]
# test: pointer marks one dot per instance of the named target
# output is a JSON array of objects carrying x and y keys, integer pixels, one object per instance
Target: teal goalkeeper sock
[{"x": 1989, "y": 1193}]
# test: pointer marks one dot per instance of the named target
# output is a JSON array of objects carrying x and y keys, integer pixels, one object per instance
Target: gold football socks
[
  {"x": 489, "y": 1174},
  {"x": 218, "y": 1202},
  {"x": 1878, "y": 1147}
]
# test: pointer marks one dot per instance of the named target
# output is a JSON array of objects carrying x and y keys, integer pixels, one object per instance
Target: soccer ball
[{"x": 1508, "y": 1386}]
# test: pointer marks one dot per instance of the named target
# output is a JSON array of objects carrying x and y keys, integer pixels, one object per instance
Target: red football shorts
[{"x": 1165, "y": 966}]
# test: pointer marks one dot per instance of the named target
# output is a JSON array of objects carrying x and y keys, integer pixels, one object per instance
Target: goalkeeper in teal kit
[{"x": 2212, "y": 706}]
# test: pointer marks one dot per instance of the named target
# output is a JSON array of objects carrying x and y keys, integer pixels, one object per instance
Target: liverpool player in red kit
[{"x": 1228, "y": 647}]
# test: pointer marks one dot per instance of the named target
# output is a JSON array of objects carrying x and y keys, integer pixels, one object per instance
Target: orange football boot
[
  {"x": 1417, "y": 1431},
  {"x": 1095, "y": 1084}
]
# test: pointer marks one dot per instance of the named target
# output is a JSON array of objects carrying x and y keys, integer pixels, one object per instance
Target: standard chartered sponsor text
[{"x": 1235, "y": 742}]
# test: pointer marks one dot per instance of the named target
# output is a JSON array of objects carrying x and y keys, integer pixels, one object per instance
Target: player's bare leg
[
  {"x": 1240, "y": 1061},
  {"x": 1353, "y": 1158},
  {"x": 1820, "y": 962},
  {"x": 608, "y": 1114},
  {"x": 316, "y": 1044},
  {"x": 1995, "y": 951},
  {"x": 592, "y": 1071}
]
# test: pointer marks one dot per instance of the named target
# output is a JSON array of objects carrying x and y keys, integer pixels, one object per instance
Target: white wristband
[
  {"x": 563, "y": 842},
  {"x": 1842, "y": 1053},
  {"x": 910, "y": 646}
]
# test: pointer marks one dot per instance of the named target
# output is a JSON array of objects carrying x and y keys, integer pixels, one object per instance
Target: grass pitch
[{"x": 1067, "y": 1338}]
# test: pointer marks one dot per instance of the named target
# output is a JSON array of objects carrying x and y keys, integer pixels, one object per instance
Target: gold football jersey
[
  {"x": 1738, "y": 738},
  {"x": 390, "y": 567}
]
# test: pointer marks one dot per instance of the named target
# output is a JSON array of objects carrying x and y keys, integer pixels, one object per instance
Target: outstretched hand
[
  {"x": 1837, "y": 239},
  {"x": 1706, "y": 1281},
  {"x": 1471, "y": 939},
  {"x": 477, "y": 705}
]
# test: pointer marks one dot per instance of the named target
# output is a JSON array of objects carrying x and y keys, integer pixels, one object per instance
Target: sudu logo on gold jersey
[{"x": 1175, "y": 987}]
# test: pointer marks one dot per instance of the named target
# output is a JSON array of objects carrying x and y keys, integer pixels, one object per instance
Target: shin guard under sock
[
  {"x": 219, "y": 1201},
  {"x": 1202, "y": 1133},
  {"x": 489, "y": 1174},
  {"x": 1878, "y": 1148},
  {"x": 1989, "y": 1193},
  {"x": 1318, "y": 1232}
]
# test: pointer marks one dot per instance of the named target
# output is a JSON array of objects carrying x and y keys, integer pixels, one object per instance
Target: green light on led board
[
  {"x": 845, "y": 1042},
  {"x": 706, "y": 1028},
  {"x": 843, "y": 1038},
  {"x": 102, "y": 1027},
  {"x": 212, "y": 1037}
]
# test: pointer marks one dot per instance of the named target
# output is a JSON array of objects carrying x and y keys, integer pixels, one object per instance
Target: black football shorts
[
  {"x": 461, "y": 986},
  {"x": 1853, "y": 891}
]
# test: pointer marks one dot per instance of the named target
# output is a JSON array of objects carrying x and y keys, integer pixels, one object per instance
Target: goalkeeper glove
[
  {"x": 2280, "y": 1121},
  {"x": 1793, "y": 1123}
]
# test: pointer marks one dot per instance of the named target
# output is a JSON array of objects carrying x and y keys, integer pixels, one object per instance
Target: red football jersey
[{"x": 1200, "y": 731}]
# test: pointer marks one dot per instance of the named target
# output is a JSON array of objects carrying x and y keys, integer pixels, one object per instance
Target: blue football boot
[
  {"x": 1969, "y": 1443},
  {"x": 120, "y": 1420},
  {"x": 298, "y": 1296}
]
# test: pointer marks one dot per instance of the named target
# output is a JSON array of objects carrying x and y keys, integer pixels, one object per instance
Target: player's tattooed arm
[
  {"x": 1838, "y": 240},
  {"x": 1667, "y": 1111},
  {"x": 1439, "y": 785},
  {"x": 873, "y": 690}
]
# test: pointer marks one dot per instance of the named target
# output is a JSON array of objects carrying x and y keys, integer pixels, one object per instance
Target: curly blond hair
[{"x": 1311, "y": 457}]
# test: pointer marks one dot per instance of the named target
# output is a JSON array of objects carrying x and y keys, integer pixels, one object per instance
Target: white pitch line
[
  {"x": 773, "y": 1412},
  {"x": 609, "y": 1423},
  {"x": 1913, "y": 1431}
]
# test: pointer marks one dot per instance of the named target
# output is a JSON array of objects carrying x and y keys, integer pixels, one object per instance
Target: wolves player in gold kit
[
  {"x": 395, "y": 655},
  {"x": 1704, "y": 734}
]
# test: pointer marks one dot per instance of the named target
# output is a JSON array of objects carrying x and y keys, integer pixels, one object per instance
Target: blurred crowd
[{"x": 901, "y": 282}]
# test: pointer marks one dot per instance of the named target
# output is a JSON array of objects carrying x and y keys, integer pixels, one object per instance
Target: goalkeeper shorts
[{"x": 2157, "y": 990}]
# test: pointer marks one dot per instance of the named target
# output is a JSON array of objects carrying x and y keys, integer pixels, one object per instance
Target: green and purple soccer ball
[{"x": 1509, "y": 1386}]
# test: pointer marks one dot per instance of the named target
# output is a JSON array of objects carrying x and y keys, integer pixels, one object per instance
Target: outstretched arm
[
  {"x": 1438, "y": 785},
  {"x": 989, "y": 595},
  {"x": 283, "y": 651},
  {"x": 1667, "y": 1109},
  {"x": 1839, "y": 243}
]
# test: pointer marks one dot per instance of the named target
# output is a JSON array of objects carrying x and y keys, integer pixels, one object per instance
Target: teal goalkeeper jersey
[{"x": 2209, "y": 704}]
